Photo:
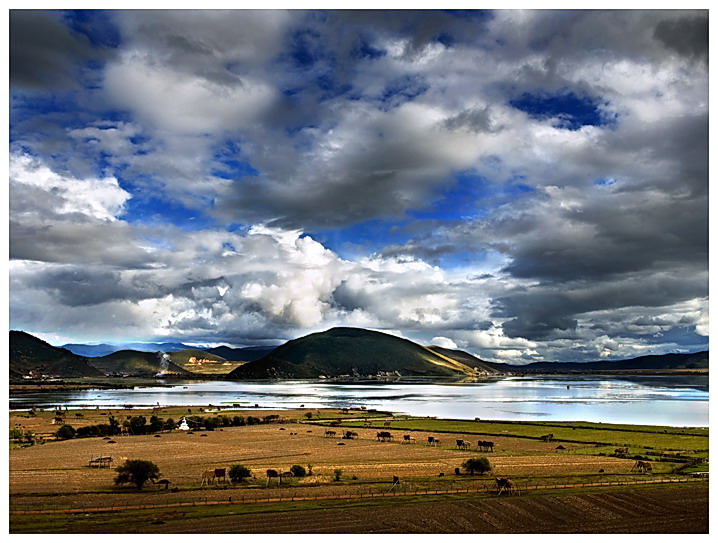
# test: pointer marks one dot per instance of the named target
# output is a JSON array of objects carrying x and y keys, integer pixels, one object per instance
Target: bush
[
  {"x": 298, "y": 471},
  {"x": 480, "y": 464},
  {"x": 137, "y": 472},
  {"x": 337, "y": 474},
  {"x": 65, "y": 432},
  {"x": 238, "y": 473}
]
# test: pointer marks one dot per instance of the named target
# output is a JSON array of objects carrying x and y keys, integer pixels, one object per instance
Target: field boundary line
[{"x": 360, "y": 495}]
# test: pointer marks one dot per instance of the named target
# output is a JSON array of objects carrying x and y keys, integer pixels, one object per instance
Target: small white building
[{"x": 183, "y": 424}]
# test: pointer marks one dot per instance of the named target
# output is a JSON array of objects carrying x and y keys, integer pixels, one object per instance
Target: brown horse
[
  {"x": 272, "y": 473},
  {"x": 507, "y": 485},
  {"x": 220, "y": 473}
]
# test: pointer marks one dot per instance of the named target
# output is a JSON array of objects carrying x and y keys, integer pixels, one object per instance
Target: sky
[{"x": 524, "y": 185}]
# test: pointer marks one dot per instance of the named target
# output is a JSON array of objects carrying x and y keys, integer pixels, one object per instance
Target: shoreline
[{"x": 109, "y": 383}]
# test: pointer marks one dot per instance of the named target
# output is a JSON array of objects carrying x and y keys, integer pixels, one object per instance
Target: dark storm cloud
[
  {"x": 91, "y": 243},
  {"x": 74, "y": 286},
  {"x": 688, "y": 36},
  {"x": 43, "y": 52},
  {"x": 551, "y": 311}
]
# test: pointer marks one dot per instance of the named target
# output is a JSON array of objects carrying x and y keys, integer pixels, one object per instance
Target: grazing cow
[
  {"x": 387, "y": 424},
  {"x": 220, "y": 473},
  {"x": 485, "y": 446},
  {"x": 547, "y": 437},
  {"x": 642, "y": 466},
  {"x": 349, "y": 435},
  {"x": 285, "y": 475},
  {"x": 459, "y": 443},
  {"x": 330, "y": 433},
  {"x": 621, "y": 452},
  {"x": 207, "y": 476},
  {"x": 429, "y": 441},
  {"x": 466, "y": 445},
  {"x": 383, "y": 436},
  {"x": 272, "y": 473},
  {"x": 408, "y": 439}
]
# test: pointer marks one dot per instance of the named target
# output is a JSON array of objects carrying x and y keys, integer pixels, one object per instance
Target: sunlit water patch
[{"x": 662, "y": 400}]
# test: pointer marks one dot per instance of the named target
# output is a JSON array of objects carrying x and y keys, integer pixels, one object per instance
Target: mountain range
[{"x": 338, "y": 352}]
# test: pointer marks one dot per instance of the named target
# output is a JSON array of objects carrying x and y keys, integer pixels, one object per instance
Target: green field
[{"x": 603, "y": 438}]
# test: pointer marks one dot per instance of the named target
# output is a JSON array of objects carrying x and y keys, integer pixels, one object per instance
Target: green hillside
[
  {"x": 31, "y": 356},
  {"x": 464, "y": 358},
  {"x": 353, "y": 352},
  {"x": 135, "y": 363}
]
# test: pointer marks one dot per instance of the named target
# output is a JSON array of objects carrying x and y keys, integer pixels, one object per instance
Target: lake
[{"x": 672, "y": 400}]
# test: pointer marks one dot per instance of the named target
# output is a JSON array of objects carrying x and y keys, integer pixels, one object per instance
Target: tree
[
  {"x": 156, "y": 424},
  {"x": 298, "y": 471},
  {"x": 137, "y": 472},
  {"x": 138, "y": 425},
  {"x": 65, "y": 432},
  {"x": 480, "y": 465},
  {"x": 238, "y": 473},
  {"x": 114, "y": 425},
  {"x": 337, "y": 474}
]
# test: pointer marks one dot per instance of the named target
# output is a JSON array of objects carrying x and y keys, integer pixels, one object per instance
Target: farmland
[{"x": 56, "y": 474}]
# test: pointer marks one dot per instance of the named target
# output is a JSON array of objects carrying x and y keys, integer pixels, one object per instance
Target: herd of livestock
[{"x": 431, "y": 441}]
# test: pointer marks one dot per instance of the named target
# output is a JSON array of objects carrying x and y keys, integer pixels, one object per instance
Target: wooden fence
[{"x": 348, "y": 496}]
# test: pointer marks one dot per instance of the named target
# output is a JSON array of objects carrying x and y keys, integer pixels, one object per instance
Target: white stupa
[{"x": 183, "y": 424}]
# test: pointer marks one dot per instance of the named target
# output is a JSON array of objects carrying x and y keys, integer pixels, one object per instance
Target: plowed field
[
  {"x": 661, "y": 510},
  {"x": 678, "y": 508}
]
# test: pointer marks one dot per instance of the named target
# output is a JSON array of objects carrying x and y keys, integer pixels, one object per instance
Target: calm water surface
[{"x": 661, "y": 400}]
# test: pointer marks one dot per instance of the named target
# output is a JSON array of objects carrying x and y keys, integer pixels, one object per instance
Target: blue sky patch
[
  {"x": 156, "y": 212},
  {"x": 568, "y": 110},
  {"x": 228, "y": 163},
  {"x": 403, "y": 89},
  {"x": 97, "y": 25}
]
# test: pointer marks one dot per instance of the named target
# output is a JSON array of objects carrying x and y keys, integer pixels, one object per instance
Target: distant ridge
[
  {"x": 104, "y": 349},
  {"x": 671, "y": 361},
  {"x": 350, "y": 352},
  {"x": 242, "y": 354},
  {"x": 137, "y": 363}
]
